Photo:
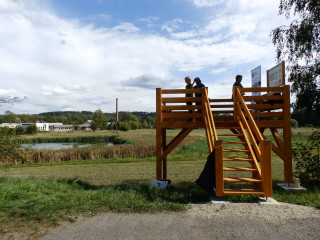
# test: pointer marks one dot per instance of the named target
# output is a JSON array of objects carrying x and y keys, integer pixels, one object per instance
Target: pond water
[{"x": 58, "y": 146}]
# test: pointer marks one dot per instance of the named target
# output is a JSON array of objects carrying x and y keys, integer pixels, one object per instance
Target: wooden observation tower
[{"x": 252, "y": 159}]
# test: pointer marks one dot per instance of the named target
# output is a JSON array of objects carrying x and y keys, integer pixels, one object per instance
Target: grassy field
[{"x": 42, "y": 194}]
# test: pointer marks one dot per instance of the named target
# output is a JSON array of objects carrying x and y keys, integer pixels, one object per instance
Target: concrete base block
[
  {"x": 268, "y": 201},
  {"x": 291, "y": 187}
]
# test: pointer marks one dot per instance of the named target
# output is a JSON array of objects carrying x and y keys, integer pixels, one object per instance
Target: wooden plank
[
  {"x": 271, "y": 124},
  {"x": 220, "y": 100},
  {"x": 287, "y": 135},
  {"x": 158, "y": 135},
  {"x": 181, "y": 115},
  {"x": 236, "y": 169},
  {"x": 263, "y": 97},
  {"x": 277, "y": 138},
  {"x": 265, "y": 106},
  {"x": 262, "y": 89},
  {"x": 219, "y": 168},
  {"x": 182, "y": 124},
  {"x": 243, "y": 191},
  {"x": 266, "y": 172},
  {"x": 222, "y": 112},
  {"x": 177, "y": 91},
  {"x": 181, "y": 99},
  {"x": 238, "y": 159},
  {"x": 266, "y": 114},
  {"x": 164, "y": 158},
  {"x": 181, "y": 107},
  {"x": 222, "y": 106},
  {"x": 253, "y": 180}
]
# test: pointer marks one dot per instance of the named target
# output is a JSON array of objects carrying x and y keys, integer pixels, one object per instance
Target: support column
[
  {"x": 164, "y": 159},
  {"x": 266, "y": 170},
  {"x": 159, "y": 147},
  {"x": 287, "y": 135}
]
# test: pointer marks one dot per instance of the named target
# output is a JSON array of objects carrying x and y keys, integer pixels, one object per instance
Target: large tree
[
  {"x": 99, "y": 120},
  {"x": 299, "y": 45}
]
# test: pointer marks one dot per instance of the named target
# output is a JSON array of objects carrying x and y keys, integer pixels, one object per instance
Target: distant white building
[{"x": 57, "y": 127}]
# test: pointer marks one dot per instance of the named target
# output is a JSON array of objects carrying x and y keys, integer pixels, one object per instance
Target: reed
[{"x": 89, "y": 153}]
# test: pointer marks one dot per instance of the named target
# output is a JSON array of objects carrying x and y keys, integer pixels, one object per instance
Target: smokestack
[{"x": 117, "y": 116}]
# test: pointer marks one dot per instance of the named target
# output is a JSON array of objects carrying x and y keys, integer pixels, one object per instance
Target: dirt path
[{"x": 204, "y": 221}]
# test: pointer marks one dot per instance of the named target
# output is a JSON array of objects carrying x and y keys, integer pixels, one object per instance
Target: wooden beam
[
  {"x": 176, "y": 141},
  {"x": 266, "y": 171},
  {"x": 219, "y": 168},
  {"x": 159, "y": 148}
]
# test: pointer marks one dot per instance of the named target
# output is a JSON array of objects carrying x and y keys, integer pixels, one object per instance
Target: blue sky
[{"x": 80, "y": 55}]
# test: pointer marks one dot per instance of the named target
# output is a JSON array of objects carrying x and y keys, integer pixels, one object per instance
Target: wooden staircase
[{"x": 239, "y": 165}]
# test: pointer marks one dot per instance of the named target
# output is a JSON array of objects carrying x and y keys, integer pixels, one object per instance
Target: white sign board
[
  {"x": 256, "y": 80},
  {"x": 275, "y": 75}
]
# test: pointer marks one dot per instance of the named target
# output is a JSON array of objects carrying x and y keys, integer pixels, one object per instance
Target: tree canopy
[{"x": 299, "y": 45}]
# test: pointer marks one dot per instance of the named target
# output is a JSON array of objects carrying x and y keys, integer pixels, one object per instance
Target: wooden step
[
  {"x": 235, "y": 150},
  {"x": 222, "y": 127},
  {"x": 233, "y": 142},
  {"x": 243, "y": 191},
  {"x": 238, "y": 159},
  {"x": 235, "y": 179},
  {"x": 247, "y": 169},
  {"x": 230, "y": 135}
]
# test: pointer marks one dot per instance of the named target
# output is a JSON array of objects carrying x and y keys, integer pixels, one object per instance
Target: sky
[{"x": 80, "y": 55}]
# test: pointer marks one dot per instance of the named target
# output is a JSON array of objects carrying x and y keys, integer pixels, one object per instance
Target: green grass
[
  {"x": 43, "y": 194},
  {"x": 35, "y": 201}
]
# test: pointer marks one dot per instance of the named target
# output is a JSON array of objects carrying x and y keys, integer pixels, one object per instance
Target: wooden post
[
  {"x": 234, "y": 95},
  {"x": 164, "y": 159},
  {"x": 287, "y": 135},
  {"x": 266, "y": 170},
  {"x": 158, "y": 134},
  {"x": 219, "y": 168}
]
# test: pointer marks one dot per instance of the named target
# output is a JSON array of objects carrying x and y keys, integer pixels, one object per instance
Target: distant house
[
  {"x": 61, "y": 128},
  {"x": 56, "y": 127}
]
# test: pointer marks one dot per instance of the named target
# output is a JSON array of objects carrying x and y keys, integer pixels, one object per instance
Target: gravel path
[{"x": 203, "y": 221}]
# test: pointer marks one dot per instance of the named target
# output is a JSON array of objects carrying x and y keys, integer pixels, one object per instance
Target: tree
[
  {"x": 100, "y": 120},
  {"x": 10, "y": 117},
  {"x": 299, "y": 44},
  {"x": 32, "y": 129},
  {"x": 11, "y": 100},
  {"x": 9, "y": 146}
]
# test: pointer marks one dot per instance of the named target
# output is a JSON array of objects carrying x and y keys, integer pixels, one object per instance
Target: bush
[
  {"x": 32, "y": 129},
  {"x": 309, "y": 125},
  {"x": 123, "y": 126},
  {"x": 294, "y": 123},
  {"x": 20, "y": 130},
  {"x": 306, "y": 156},
  {"x": 10, "y": 147}
]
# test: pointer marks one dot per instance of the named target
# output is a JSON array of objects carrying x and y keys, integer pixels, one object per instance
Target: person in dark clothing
[
  {"x": 237, "y": 83},
  {"x": 189, "y": 86},
  {"x": 198, "y": 83}
]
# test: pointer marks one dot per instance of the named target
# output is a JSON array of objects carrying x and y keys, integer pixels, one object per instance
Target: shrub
[
  {"x": 32, "y": 129},
  {"x": 309, "y": 125},
  {"x": 123, "y": 126},
  {"x": 20, "y": 130},
  {"x": 306, "y": 156},
  {"x": 294, "y": 123}
]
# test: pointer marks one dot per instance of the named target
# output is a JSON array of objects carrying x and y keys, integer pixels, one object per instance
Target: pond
[{"x": 58, "y": 146}]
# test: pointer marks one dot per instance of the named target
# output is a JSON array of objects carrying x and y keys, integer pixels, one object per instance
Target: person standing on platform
[
  {"x": 237, "y": 83},
  {"x": 189, "y": 86},
  {"x": 198, "y": 85}
]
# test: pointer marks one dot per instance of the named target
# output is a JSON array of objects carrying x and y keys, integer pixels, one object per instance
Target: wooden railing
[{"x": 253, "y": 135}]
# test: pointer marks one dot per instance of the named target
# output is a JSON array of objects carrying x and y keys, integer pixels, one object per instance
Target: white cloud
[{"x": 61, "y": 64}]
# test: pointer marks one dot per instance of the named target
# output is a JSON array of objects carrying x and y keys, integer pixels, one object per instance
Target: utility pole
[{"x": 117, "y": 116}]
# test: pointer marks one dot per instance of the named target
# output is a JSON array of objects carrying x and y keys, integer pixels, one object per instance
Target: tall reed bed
[
  {"x": 94, "y": 152},
  {"x": 78, "y": 139}
]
